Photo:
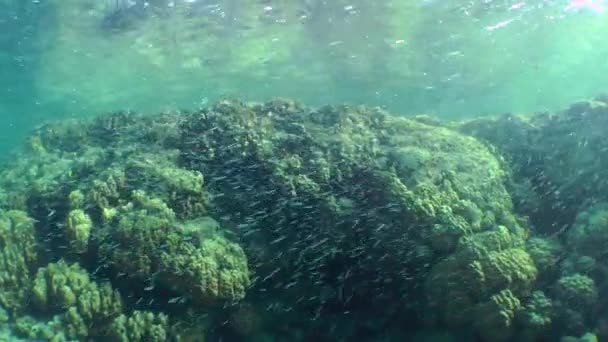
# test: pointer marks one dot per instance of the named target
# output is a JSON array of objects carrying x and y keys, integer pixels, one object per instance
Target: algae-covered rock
[
  {"x": 576, "y": 291},
  {"x": 182, "y": 189},
  {"x": 546, "y": 253},
  {"x": 576, "y": 263},
  {"x": 82, "y": 306},
  {"x": 320, "y": 196},
  {"x": 536, "y": 316},
  {"x": 18, "y": 258},
  {"x": 495, "y": 319},
  {"x": 338, "y": 215},
  {"x": 133, "y": 240},
  {"x": 78, "y": 230},
  {"x": 558, "y": 160},
  {"x": 140, "y": 326},
  {"x": 478, "y": 276},
  {"x": 207, "y": 269},
  {"x": 587, "y": 337},
  {"x": 32, "y": 329},
  {"x": 193, "y": 258},
  {"x": 589, "y": 234}
]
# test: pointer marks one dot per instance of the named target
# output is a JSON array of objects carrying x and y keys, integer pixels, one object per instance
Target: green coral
[
  {"x": 32, "y": 329},
  {"x": 576, "y": 263},
  {"x": 494, "y": 319},
  {"x": 589, "y": 234},
  {"x": 587, "y": 337},
  {"x": 140, "y": 326},
  {"x": 413, "y": 192},
  {"x": 208, "y": 270},
  {"x": 182, "y": 189},
  {"x": 190, "y": 257},
  {"x": 18, "y": 258},
  {"x": 3, "y": 315},
  {"x": 546, "y": 253},
  {"x": 106, "y": 191},
  {"x": 555, "y": 159},
  {"x": 484, "y": 266},
  {"x": 134, "y": 238},
  {"x": 76, "y": 199},
  {"x": 81, "y": 304},
  {"x": 576, "y": 291},
  {"x": 78, "y": 230},
  {"x": 536, "y": 316}
]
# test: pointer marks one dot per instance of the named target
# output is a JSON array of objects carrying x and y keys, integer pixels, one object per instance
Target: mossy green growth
[
  {"x": 78, "y": 230},
  {"x": 18, "y": 258},
  {"x": 589, "y": 234},
  {"x": 37, "y": 146},
  {"x": 81, "y": 305},
  {"x": 576, "y": 290},
  {"x": 106, "y": 191},
  {"x": 587, "y": 337},
  {"x": 209, "y": 269},
  {"x": 147, "y": 241},
  {"x": 536, "y": 316},
  {"x": 555, "y": 158},
  {"x": 134, "y": 237},
  {"x": 32, "y": 329},
  {"x": 76, "y": 199},
  {"x": 3, "y": 315},
  {"x": 485, "y": 268},
  {"x": 495, "y": 319},
  {"x": 546, "y": 253},
  {"x": 180, "y": 188},
  {"x": 139, "y": 326}
]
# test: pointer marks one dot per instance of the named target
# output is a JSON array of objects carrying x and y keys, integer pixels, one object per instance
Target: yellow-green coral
[
  {"x": 210, "y": 270},
  {"x": 133, "y": 241},
  {"x": 36, "y": 145},
  {"x": 82, "y": 305},
  {"x": 106, "y": 192},
  {"x": 484, "y": 265},
  {"x": 32, "y": 329},
  {"x": 182, "y": 189},
  {"x": 546, "y": 253},
  {"x": 191, "y": 257},
  {"x": 511, "y": 268},
  {"x": 140, "y": 326},
  {"x": 18, "y": 258},
  {"x": 576, "y": 290},
  {"x": 494, "y": 319},
  {"x": 589, "y": 234},
  {"x": 76, "y": 199},
  {"x": 536, "y": 316},
  {"x": 78, "y": 230}
]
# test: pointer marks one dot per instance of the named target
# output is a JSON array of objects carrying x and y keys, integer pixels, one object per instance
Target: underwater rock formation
[
  {"x": 18, "y": 259},
  {"x": 358, "y": 201},
  {"x": 556, "y": 159},
  {"x": 557, "y": 166},
  {"x": 273, "y": 220}
]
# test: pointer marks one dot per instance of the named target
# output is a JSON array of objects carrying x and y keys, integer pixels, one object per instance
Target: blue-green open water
[{"x": 438, "y": 57}]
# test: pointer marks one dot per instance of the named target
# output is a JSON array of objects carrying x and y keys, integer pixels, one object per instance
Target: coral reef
[
  {"x": 18, "y": 259},
  {"x": 139, "y": 326},
  {"x": 274, "y": 221},
  {"x": 82, "y": 305},
  {"x": 554, "y": 158},
  {"x": 192, "y": 258},
  {"x": 349, "y": 191}
]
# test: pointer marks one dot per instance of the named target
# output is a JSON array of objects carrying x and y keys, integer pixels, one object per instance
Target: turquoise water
[
  {"x": 439, "y": 57},
  {"x": 434, "y": 171}
]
